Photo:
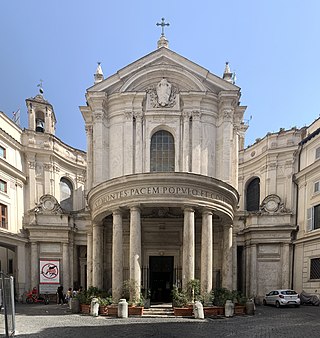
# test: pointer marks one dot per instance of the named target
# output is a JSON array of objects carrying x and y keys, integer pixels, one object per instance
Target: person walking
[{"x": 60, "y": 295}]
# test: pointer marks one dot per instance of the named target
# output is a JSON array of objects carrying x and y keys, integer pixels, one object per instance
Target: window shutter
[
  {"x": 317, "y": 153},
  {"x": 309, "y": 219}
]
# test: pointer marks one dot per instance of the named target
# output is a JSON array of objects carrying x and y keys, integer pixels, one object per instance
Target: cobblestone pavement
[{"x": 48, "y": 321}]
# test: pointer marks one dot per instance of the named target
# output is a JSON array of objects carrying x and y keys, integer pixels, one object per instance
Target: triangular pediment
[{"x": 184, "y": 74}]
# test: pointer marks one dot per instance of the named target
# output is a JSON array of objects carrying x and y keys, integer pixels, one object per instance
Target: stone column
[
  {"x": 186, "y": 142},
  {"x": 206, "y": 251},
  {"x": 188, "y": 247},
  {"x": 117, "y": 254},
  {"x": 34, "y": 265},
  {"x": 253, "y": 270},
  {"x": 227, "y": 257},
  {"x": 66, "y": 266},
  {"x": 89, "y": 258},
  {"x": 285, "y": 265},
  {"x": 97, "y": 255},
  {"x": 135, "y": 250}
]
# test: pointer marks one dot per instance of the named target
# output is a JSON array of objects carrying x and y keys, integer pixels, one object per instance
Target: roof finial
[
  {"x": 98, "y": 76},
  {"x": 163, "y": 42},
  {"x": 228, "y": 75}
]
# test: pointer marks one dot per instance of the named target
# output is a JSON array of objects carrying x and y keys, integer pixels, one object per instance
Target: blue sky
[{"x": 273, "y": 46}]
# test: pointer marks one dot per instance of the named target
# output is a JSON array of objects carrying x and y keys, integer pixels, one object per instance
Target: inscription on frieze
[{"x": 159, "y": 190}]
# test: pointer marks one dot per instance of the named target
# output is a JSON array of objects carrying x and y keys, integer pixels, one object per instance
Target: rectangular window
[
  {"x": 317, "y": 153},
  {"x": 313, "y": 218},
  {"x": 3, "y": 216},
  {"x": 317, "y": 187},
  {"x": 2, "y": 152},
  {"x": 315, "y": 268},
  {"x": 3, "y": 186}
]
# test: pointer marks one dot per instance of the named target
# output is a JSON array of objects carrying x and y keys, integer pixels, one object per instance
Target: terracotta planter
[
  {"x": 240, "y": 310},
  {"x": 85, "y": 308},
  {"x": 213, "y": 311},
  {"x": 103, "y": 310},
  {"x": 135, "y": 310},
  {"x": 182, "y": 311},
  {"x": 112, "y": 310}
]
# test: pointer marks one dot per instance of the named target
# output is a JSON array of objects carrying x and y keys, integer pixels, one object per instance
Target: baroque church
[{"x": 165, "y": 193}]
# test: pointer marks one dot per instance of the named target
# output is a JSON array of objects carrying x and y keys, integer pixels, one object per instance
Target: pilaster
[
  {"x": 97, "y": 255},
  {"x": 138, "y": 142},
  {"x": 227, "y": 270},
  {"x": 66, "y": 265},
  {"x": 89, "y": 257},
  {"x": 34, "y": 265}
]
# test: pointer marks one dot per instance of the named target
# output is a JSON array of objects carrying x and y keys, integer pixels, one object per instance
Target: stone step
[{"x": 158, "y": 312}]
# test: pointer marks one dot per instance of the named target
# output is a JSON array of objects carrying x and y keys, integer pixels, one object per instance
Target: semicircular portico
[{"x": 163, "y": 190}]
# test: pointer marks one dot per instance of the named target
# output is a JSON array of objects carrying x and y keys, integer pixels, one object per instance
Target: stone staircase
[{"x": 159, "y": 311}]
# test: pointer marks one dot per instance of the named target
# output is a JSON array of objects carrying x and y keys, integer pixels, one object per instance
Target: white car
[{"x": 282, "y": 298}]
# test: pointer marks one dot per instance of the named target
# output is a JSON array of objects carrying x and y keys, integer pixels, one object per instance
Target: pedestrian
[
  {"x": 69, "y": 295},
  {"x": 60, "y": 295}
]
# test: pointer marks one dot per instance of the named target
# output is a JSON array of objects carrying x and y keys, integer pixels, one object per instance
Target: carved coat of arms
[{"x": 162, "y": 95}]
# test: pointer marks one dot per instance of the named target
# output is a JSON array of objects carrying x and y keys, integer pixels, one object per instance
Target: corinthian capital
[
  {"x": 97, "y": 116},
  {"x": 196, "y": 115},
  {"x": 138, "y": 115},
  {"x": 88, "y": 129}
]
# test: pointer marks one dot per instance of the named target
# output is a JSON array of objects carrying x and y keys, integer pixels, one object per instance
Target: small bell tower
[{"x": 41, "y": 117}]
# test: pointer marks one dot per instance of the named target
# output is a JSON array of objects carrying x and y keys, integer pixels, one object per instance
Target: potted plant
[
  {"x": 240, "y": 304},
  {"x": 84, "y": 302},
  {"x": 136, "y": 304},
  {"x": 220, "y": 296},
  {"x": 180, "y": 302},
  {"x": 104, "y": 302}
]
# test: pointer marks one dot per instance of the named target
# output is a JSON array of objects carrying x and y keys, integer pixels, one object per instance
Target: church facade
[{"x": 164, "y": 194}]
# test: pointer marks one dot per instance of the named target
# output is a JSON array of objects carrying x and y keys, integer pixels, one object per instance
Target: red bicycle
[{"x": 33, "y": 297}]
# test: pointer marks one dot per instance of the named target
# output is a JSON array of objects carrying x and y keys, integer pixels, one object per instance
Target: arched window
[
  {"x": 253, "y": 195},
  {"x": 66, "y": 194},
  {"x": 162, "y": 152}
]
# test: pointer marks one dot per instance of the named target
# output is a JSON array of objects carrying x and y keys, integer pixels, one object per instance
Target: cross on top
[
  {"x": 40, "y": 86},
  {"x": 162, "y": 24}
]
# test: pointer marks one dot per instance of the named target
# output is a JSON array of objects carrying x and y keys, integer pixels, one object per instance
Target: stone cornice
[
  {"x": 13, "y": 142},
  {"x": 12, "y": 171}
]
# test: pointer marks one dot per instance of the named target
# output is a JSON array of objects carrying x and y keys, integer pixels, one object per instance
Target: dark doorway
[{"x": 161, "y": 278}]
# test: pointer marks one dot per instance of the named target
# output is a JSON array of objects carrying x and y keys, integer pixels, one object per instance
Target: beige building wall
[{"x": 307, "y": 178}]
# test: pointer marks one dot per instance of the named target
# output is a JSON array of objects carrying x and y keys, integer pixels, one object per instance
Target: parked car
[{"x": 282, "y": 298}]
